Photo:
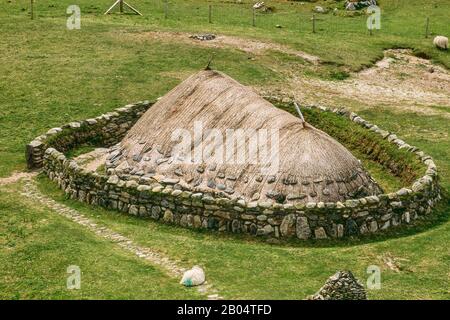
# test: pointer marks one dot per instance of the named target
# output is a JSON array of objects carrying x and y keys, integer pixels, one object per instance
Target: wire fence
[
  {"x": 292, "y": 18},
  {"x": 295, "y": 18}
]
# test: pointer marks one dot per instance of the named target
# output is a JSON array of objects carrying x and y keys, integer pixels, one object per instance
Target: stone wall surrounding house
[{"x": 160, "y": 199}]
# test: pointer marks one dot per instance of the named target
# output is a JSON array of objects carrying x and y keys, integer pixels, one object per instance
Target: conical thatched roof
[{"x": 309, "y": 166}]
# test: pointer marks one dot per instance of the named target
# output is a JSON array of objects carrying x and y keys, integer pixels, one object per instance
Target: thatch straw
[{"x": 312, "y": 165}]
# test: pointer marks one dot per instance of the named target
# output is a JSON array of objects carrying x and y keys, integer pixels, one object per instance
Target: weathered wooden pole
[
  {"x": 32, "y": 9},
  {"x": 427, "y": 27},
  {"x": 166, "y": 9},
  {"x": 254, "y": 17},
  {"x": 210, "y": 13},
  {"x": 314, "y": 23}
]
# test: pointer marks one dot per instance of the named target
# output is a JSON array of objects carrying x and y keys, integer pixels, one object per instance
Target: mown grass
[
  {"x": 293, "y": 270},
  {"x": 37, "y": 247},
  {"x": 429, "y": 133},
  {"x": 242, "y": 267},
  {"x": 50, "y": 76}
]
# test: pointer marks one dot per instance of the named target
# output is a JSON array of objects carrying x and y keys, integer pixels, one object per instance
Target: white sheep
[
  {"x": 441, "y": 42},
  {"x": 193, "y": 277}
]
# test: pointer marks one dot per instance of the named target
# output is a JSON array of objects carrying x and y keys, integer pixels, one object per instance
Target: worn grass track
[{"x": 50, "y": 76}]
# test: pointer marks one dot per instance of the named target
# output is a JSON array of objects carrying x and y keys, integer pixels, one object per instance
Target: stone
[
  {"x": 142, "y": 211},
  {"x": 211, "y": 183},
  {"x": 340, "y": 205},
  {"x": 319, "y": 9},
  {"x": 386, "y": 225},
  {"x": 287, "y": 227},
  {"x": 320, "y": 233},
  {"x": 268, "y": 229},
  {"x": 261, "y": 217},
  {"x": 155, "y": 212},
  {"x": 134, "y": 210},
  {"x": 184, "y": 220},
  {"x": 235, "y": 226},
  {"x": 311, "y": 205},
  {"x": 221, "y": 186},
  {"x": 296, "y": 196},
  {"x": 197, "y": 222},
  {"x": 351, "y": 203},
  {"x": 363, "y": 229},
  {"x": 203, "y": 37},
  {"x": 143, "y": 187},
  {"x": 351, "y": 228},
  {"x": 113, "y": 180},
  {"x": 403, "y": 192},
  {"x": 168, "y": 216},
  {"x": 373, "y": 226},
  {"x": 341, "y": 286},
  {"x": 406, "y": 217},
  {"x": 302, "y": 229},
  {"x": 37, "y": 143},
  {"x": 170, "y": 181},
  {"x": 289, "y": 180},
  {"x": 339, "y": 230},
  {"x": 255, "y": 196}
]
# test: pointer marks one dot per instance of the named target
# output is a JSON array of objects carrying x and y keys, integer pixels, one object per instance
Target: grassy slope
[
  {"x": 36, "y": 247},
  {"x": 242, "y": 267},
  {"x": 49, "y": 76}
]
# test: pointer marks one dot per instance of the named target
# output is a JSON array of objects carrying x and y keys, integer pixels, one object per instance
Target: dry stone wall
[{"x": 162, "y": 200}]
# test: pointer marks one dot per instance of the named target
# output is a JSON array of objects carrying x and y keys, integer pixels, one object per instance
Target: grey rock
[
  {"x": 303, "y": 230},
  {"x": 341, "y": 286}
]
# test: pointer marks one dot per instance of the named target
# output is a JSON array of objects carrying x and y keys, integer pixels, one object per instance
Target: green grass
[
  {"x": 429, "y": 133},
  {"x": 37, "y": 246},
  {"x": 73, "y": 153},
  {"x": 50, "y": 76},
  {"x": 294, "y": 269}
]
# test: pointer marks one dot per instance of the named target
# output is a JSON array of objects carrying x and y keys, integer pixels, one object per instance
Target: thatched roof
[{"x": 312, "y": 166}]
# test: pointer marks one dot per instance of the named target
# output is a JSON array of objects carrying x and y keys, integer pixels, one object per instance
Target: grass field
[{"x": 50, "y": 76}]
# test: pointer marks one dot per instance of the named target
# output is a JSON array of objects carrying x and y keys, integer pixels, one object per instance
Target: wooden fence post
[
  {"x": 166, "y": 9},
  {"x": 32, "y": 9},
  {"x": 254, "y": 17},
  {"x": 314, "y": 23},
  {"x": 210, "y": 14}
]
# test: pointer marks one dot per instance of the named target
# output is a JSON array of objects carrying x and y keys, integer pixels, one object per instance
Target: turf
[
  {"x": 50, "y": 76},
  {"x": 296, "y": 269},
  {"x": 38, "y": 246}
]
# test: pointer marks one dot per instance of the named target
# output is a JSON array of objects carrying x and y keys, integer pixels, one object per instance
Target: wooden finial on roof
[
  {"x": 208, "y": 66},
  {"x": 298, "y": 110}
]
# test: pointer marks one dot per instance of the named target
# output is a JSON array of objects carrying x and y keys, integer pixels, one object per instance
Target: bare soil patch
[
  {"x": 250, "y": 46},
  {"x": 16, "y": 176},
  {"x": 399, "y": 81}
]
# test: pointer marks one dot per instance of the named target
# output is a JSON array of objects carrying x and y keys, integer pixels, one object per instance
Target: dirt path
[
  {"x": 169, "y": 266},
  {"x": 221, "y": 41},
  {"x": 400, "y": 81},
  {"x": 16, "y": 176}
]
